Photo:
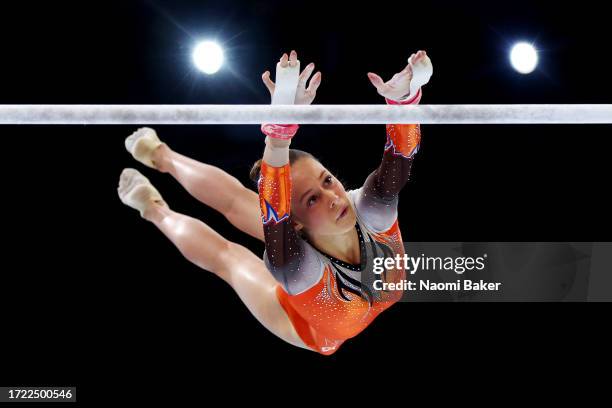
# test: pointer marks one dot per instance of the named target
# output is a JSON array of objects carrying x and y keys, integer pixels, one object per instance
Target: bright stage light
[
  {"x": 208, "y": 57},
  {"x": 524, "y": 57}
]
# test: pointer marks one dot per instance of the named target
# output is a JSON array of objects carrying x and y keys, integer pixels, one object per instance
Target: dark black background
[{"x": 94, "y": 296}]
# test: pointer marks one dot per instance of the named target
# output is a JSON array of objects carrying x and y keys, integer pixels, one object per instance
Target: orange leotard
[{"x": 327, "y": 300}]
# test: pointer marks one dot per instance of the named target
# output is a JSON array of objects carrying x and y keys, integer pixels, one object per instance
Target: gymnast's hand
[
  {"x": 304, "y": 95},
  {"x": 407, "y": 82}
]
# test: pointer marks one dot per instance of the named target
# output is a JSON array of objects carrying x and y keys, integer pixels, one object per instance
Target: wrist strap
[
  {"x": 283, "y": 132},
  {"x": 414, "y": 100}
]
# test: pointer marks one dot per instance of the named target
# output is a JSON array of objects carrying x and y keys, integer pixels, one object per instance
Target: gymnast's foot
[
  {"x": 136, "y": 191},
  {"x": 144, "y": 144}
]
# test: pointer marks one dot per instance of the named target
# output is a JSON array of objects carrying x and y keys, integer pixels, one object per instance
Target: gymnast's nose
[{"x": 334, "y": 200}]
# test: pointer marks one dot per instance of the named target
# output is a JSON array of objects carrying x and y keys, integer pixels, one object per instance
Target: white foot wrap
[
  {"x": 141, "y": 145},
  {"x": 136, "y": 191}
]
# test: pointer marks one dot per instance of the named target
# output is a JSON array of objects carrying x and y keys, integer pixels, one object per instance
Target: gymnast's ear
[{"x": 298, "y": 226}]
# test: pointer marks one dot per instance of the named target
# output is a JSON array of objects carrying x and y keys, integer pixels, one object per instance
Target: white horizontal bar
[{"x": 302, "y": 114}]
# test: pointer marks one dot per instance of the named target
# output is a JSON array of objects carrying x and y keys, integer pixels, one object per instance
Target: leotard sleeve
[
  {"x": 377, "y": 200},
  {"x": 293, "y": 262}
]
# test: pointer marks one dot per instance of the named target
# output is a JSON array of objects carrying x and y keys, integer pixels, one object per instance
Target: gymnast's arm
[
  {"x": 292, "y": 261},
  {"x": 377, "y": 200}
]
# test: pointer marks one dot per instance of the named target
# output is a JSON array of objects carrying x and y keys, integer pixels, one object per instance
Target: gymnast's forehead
[{"x": 307, "y": 169}]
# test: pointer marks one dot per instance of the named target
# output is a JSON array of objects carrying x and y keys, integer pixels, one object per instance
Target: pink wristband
[{"x": 283, "y": 132}]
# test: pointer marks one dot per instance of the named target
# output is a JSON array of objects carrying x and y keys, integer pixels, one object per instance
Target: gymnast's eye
[
  {"x": 329, "y": 179},
  {"x": 311, "y": 201}
]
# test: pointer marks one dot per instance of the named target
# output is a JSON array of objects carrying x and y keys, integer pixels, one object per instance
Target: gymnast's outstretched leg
[
  {"x": 235, "y": 264},
  {"x": 209, "y": 184}
]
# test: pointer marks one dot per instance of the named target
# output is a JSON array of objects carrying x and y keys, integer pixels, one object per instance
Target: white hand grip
[{"x": 286, "y": 84}]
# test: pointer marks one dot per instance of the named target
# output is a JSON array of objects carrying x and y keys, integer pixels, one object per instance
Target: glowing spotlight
[
  {"x": 524, "y": 57},
  {"x": 208, "y": 57}
]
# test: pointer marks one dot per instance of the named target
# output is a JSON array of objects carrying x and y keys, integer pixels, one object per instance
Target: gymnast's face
[{"x": 319, "y": 203}]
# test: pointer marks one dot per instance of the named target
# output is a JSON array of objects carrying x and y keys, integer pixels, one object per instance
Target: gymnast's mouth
[{"x": 342, "y": 213}]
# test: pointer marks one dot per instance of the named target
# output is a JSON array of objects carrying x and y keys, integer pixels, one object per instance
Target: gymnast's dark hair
[{"x": 294, "y": 156}]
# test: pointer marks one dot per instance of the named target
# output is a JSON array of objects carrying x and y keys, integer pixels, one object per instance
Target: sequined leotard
[{"x": 329, "y": 301}]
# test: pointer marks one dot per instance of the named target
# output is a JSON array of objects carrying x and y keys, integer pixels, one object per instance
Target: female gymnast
[{"x": 313, "y": 287}]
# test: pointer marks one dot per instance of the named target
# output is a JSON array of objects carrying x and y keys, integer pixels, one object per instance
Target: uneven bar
[{"x": 302, "y": 114}]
